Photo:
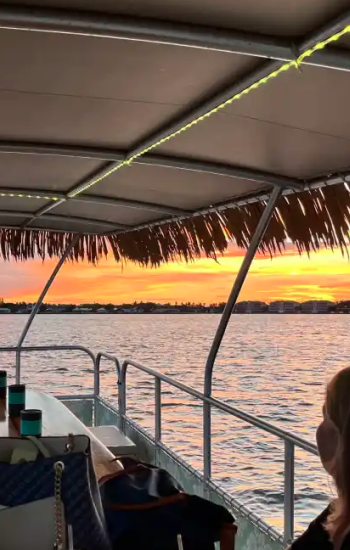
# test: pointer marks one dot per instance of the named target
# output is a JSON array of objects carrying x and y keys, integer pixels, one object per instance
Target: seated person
[{"x": 331, "y": 530}]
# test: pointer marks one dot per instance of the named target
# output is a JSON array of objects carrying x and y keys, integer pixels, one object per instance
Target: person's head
[{"x": 333, "y": 441}]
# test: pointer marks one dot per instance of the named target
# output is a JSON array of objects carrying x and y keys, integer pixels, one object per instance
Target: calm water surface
[{"x": 274, "y": 367}]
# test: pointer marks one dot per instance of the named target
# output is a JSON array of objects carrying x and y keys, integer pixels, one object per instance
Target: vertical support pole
[
  {"x": 38, "y": 304},
  {"x": 225, "y": 318},
  {"x": 288, "y": 492},
  {"x": 158, "y": 409}
]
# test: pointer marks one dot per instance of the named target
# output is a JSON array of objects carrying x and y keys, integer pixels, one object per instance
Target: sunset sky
[{"x": 324, "y": 275}]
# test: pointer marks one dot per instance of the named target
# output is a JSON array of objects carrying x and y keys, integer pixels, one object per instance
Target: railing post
[
  {"x": 96, "y": 388},
  {"x": 288, "y": 492},
  {"x": 97, "y": 376},
  {"x": 97, "y": 369},
  {"x": 39, "y": 302},
  {"x": 122, "y": 398},
  {"x": 122, "y": 395},
  {"x": 225, "y": 318},
  {"x": 158, "y": 409}
]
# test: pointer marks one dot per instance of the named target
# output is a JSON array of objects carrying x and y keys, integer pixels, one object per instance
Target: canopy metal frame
[
  {"x": 225, "y": 319},
  {"x": 275, "y": 50},
  {"x": 163, "y": 161},
  {"x": 162, "y": 32}
]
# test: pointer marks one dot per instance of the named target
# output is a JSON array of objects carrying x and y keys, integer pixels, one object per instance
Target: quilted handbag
[{"x": 62, "y": 471}]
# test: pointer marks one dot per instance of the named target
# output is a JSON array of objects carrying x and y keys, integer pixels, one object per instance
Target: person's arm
[{"x": 315, "y": 536}]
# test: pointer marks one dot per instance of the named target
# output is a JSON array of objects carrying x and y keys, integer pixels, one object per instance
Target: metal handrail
[
  {"x": 290, "y": 441},
  {"x": 83, "y": 349},
  {"x": 221, "y": 405}
]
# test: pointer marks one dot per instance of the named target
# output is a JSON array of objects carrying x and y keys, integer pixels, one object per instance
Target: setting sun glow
[{"x": 324, "y": 275}]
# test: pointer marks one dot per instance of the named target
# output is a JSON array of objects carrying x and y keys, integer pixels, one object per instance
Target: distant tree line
[{"x": 142, "y": 307}]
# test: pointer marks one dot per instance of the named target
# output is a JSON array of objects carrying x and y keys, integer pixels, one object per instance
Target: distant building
[
  {"x": 55, "y": 309},
  {"x": 317, "y": 306},
  {"x": 343, "y": 307},
  {"x": 82, "y": 310},
  {"x": 284, "y": 306},
  {"x": 4, "y": 310},
  {"x": 128, "y": 310},
  {"x": 250, "y": 307},
  {"x": 166, "y": 310},
  {"x": 101, "y": 310}
]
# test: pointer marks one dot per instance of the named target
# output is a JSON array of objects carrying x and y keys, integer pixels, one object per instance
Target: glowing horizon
[{"x": 324, "y": 275}]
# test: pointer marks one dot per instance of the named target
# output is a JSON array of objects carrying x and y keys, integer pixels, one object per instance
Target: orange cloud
[{"x": 324, "y": 275}]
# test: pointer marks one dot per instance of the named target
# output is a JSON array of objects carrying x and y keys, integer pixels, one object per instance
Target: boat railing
[
  {"x": 68, "y": 347},
  {"x": 108, "y": 357},
  {"x": 290, "y": 440}
]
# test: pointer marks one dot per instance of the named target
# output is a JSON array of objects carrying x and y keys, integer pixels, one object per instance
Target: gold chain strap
[{"x": 59, "y": 467}]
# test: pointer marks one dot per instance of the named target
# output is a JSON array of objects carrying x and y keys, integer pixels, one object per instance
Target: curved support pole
[
  {"x": 38, "y": 304},
  {"x": 226, "y": 316}
]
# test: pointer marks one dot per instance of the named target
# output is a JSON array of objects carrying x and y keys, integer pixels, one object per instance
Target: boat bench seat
[{"x": 115, "y": 440}]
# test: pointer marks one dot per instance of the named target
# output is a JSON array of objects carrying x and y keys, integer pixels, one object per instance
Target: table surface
[{"x": 58, "y": 420}]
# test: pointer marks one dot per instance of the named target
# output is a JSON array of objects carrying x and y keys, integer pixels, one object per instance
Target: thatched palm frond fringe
[{"x": 312, "y": 219}]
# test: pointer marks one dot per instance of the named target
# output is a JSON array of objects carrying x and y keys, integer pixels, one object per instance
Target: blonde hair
[{"x": 338, "y": 411}]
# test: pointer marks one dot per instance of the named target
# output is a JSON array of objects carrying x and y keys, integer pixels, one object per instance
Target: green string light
[
  {"x": 28, "y": 196},
  {"x": 289, "y": 65}
]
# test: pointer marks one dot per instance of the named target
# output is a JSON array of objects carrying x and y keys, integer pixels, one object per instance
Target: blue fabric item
[
  {"x": 31, "y": 481},
  {"x": 146, "y": 509}
]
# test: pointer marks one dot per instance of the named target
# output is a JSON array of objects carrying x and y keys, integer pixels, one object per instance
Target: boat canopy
[{"x": 158, "y": 130}]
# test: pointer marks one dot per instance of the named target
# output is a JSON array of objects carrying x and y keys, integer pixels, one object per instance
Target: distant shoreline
[
  {"x": 176, "y": 313},
  {"x": 248, "y": 307}
]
